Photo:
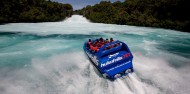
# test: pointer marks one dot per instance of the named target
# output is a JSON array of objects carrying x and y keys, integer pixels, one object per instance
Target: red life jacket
[
  {"x": 89, "y": 43},
  {"x": 102, "y": 42},
  {"x": 91, "y": 47},
  {"x": 95, "y": 49}
]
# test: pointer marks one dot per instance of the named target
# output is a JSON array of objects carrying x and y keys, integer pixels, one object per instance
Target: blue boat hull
[{"x": 113, "y": 63}]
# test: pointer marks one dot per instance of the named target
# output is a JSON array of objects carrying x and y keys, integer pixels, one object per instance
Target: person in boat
[
  {"x": 96, "y": 42},
  {"x": 107, "y": 41},
  {"x": 101, "y": 42},
  {"x": 99, "y": 45},
  {"x": 95, "y": 48},
  {"x": 91, "y": 47},
  {"x": 89, "y": 43},
  {"x": 111, "y": 46},
  {"x": 111, "y": 40}
]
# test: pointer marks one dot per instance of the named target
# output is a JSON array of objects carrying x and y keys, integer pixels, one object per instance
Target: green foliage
[
  {"x": 33, "y": 11},
  {"x": 170, "y": 14}
]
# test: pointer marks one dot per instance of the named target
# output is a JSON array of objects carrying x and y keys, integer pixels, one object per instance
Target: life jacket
[
  {"x": 102, "y": 42},
  {"x": 99, "y": 46},
  {"x": 95, "y": 49},
  {"x": 89, "y": 43},
  {"x": 91, "y": 47}
]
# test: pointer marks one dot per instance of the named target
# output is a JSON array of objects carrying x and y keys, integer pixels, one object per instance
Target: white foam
[
  {"x": 160, "y": 74},
  {"x": 74, "y": 25},
  {"x": 76, "y": 19}
]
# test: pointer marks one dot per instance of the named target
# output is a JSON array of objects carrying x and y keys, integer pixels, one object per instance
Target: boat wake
[{"x": 75, "y": 75}]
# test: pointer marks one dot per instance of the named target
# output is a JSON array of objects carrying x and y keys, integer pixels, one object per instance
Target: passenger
[
  {"x": 91, "y": 47},
  {"x": 96, "y": 42},
  {"x": 89, "y": 43},
  {"x": 99, "y": 46},
  {"x": 107, "y": 41},
  {"x": 96, "y": 49},
  {"x": 111, "y": 40},
  {"x": 102, "y": 41}
]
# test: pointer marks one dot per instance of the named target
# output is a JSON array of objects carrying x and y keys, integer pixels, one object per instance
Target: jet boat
[{"x": 113, "y": 60}]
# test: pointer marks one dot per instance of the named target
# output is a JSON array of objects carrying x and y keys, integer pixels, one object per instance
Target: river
[{"x": 47, "y": 58}]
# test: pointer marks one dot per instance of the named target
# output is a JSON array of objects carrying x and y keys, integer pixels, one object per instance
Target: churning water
[{"x": 47, "y": 58}]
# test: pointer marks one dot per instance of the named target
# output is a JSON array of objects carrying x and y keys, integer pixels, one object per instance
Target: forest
[
  {"x": 33, "y": 11},
  {"x": 170, "y": 14}
]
